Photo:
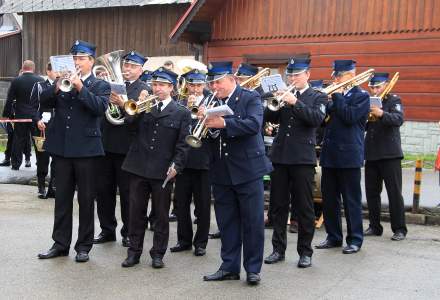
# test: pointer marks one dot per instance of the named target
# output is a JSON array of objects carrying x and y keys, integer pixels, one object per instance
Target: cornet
[
  {"x": 276, "y": 103},
  {"x": 200, "y": 130},
  {"x": 194, "y": 108},
  {"x": 66, "y": 84}
]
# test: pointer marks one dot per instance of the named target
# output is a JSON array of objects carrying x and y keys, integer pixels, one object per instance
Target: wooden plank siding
[
  {"x": 142, "y": 28},
  {"x": 388, "y": 35},
  {"x": 10, "y": 56}
]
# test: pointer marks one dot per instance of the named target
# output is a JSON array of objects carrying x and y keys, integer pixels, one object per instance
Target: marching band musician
[
  {"x": 193, "y": 182},
  {"x": 46, "y": 115},
  {"x": 238, "y": 166},
  {"x": 75, "y": 140},
  {"x": 341, "y": 160},
  {"x": 294, "y": 158},
  {"x": 383, "y": 155},
  {"x": 116, "y": 140},
  {"x": 158, "y": 152}
]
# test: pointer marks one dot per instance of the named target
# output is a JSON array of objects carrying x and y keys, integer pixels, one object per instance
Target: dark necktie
[
  {"x": 159, "y": 106},
  {"x": 224, "y": 100},
  {"x": 127, "y": 84},
  {"x": 297, "y": 94}
]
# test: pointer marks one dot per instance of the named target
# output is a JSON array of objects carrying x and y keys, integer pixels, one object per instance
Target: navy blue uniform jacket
[{"x": 75, "y": 129}]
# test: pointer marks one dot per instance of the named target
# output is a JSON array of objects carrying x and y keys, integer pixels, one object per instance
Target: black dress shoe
[
  {"x": 268, "y": 224},
  {"x": 274, "y": 258},
  {"x": 172, "y": 217},
  {"x": 41, "y": 193},
  {"x": 15, "y": 168},
  {"x": 27, "y": 164},
  {"x": 180, "y": 247},
  {"x": 371, "y": 232},
  {"x": 398, "y": 236},
  {"x": 253, "y": 278},
  {"x": 82, "y": 256},
  {"x": 130, "y": 262},
  {"x": 215, "y": 235},
  {"x": 199, "y": 251},
  {"x": 52, "y": 253},
  {"x": 157, "y": 263},
  {"x": 327, "y": 244},
  {"x": 304, "y": 261},
  {"x": 125, "y": 242},
  {"x": 50, "y": 193},
  {"x": 104, "y": 238},
  {"x": 5, "y": 163},
  {"x": 350, "y": 249},
  {"x": 195, "y": 221},
  {"x": 221, "y": 275}
]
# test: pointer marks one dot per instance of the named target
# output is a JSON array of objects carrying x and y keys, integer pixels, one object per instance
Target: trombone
[
  {"x": 255, "y": 81},
  {"x": 200, "y": 130},
  {"x": 276, "y": 103}
]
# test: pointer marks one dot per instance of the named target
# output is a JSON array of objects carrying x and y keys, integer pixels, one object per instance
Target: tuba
[
  {"x": 200, "y": 130},
  {"x": 108, "y": 68},
  {"x": 386, "y": 91},
  {"x": 255, "y": 81}
]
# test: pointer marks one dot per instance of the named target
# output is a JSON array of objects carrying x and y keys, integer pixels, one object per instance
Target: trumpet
[
  {"x": 145, "y": 104},
  {"x": 200, "y": 130},
  {"x": 66, "y": 84},
  {"x": 194, "y": 108},
  {"x": 386, "y": 91},
  {"x": 276, "y": 103}
]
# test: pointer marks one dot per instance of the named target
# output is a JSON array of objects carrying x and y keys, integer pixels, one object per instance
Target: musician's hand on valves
[
  {"x": 41, "y": 125},
  {"x": 376, "y": 111},
  {"x": 76, "y": 81},
  {"x": 143, "y": 95},
  {"x": 289, "y": 98},
  {"x": 116, "y": 99},
  {"x": 268, "y": 130},
  {"x": 201, "y": 112},
  {"x": 215, "y": 122}
]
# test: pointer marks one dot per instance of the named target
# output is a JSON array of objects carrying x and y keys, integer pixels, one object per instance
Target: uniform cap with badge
[
  {"x": 246, "y": 70},
  {"x": 217, "y": 70},
  {"x": 134, "y": 58},
  {"x": 83, "y": 48},
  {"x": 298, "y": 65},
  {"x": 164, "y": 75}
]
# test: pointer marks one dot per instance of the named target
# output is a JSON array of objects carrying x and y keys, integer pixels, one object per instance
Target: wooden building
[
  {"x": 50, "y": 27},
  {"x": 388, "y": 35}
]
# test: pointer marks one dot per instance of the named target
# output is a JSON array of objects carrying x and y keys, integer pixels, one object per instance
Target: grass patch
[
  {"x": 2, "y": 148},
  {"x": 409, "y": 160}
]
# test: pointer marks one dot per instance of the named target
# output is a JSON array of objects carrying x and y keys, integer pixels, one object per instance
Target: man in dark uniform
[
  {"x": 239, "y": 164},
  {"x": 146, "y": 77},
  {"x": 42, "y": 118},
  {"x": 157, "y": 152},
  {"x": 75, "y": 140},
  {"x": 383, "y": 155},
  {"x": 341, "y": 160},
  {"x": 116, "y": 140},
  {"x": 20, "y": 91},
  {"x": 294, "y": 159},
  {"x": 193, "y": 182}
]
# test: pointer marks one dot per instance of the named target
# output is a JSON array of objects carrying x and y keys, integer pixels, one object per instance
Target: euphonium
[
  {"x": 108, "y": 67},
  {"x": 255, "y": 81},
  {"x": 386, "y": 91},
  {"x": 275, "y": 103},
  {"x": 200, "y": 130}
]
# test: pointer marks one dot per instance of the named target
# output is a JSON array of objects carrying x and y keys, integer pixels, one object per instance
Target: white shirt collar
[
  {"x": 165, "y": 103},
  {"x": 50, "y": 80},
  {"x": 230, "y": 95},
  {"x": 83, "y": 78},
  {"x": 304, "y": 89}
]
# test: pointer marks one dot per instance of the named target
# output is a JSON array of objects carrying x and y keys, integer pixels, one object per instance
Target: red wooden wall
[{"x": 388, "y": 35}]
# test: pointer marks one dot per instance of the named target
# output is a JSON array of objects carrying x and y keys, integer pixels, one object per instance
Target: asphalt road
[{"x": 383, "y": 269}]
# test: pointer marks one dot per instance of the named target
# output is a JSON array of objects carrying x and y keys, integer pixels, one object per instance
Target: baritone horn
[{"x": 200, "y": 130}]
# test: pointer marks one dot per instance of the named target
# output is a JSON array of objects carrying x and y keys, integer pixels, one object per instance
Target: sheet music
[
  {"x": 273, "y": 83},
  {"x": 220, "y": 111},
  {"x": 63, "y": 63},
  {"x": 375, "y": 101}
]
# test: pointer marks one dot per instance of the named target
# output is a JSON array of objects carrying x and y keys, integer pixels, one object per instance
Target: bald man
[{"x": 20, "y": 91}]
